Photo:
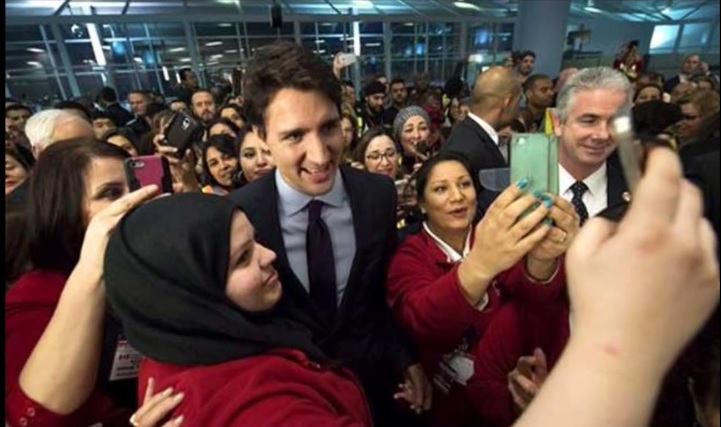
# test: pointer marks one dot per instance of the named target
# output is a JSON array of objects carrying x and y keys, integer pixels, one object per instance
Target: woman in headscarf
[{"x": 195, "y": 293}]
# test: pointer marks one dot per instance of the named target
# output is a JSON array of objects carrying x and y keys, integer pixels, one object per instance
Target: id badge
[{"x": 125, "y": 362}]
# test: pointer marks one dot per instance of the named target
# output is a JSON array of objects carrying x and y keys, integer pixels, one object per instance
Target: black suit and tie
[
  {"x": 471, "y": 141},
  {"x": 363, "y": 334}
]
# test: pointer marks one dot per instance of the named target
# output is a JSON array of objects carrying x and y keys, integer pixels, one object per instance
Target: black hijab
[{"x": 165, "y": 274}]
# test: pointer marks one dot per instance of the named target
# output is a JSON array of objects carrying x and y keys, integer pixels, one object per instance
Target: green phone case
[{"x": 534, "y": 156}]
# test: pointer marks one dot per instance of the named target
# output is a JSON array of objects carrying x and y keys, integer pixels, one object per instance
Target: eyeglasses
[{"x": 376, "y": 156}]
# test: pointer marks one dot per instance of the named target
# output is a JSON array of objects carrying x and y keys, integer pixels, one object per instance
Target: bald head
[
  {"x": 564, "y": 76},
  {"x": 493, "y": 88}
]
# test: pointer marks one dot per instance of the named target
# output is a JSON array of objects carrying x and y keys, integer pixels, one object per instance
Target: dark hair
[
  {"x": 359, "y": 153},
  {"x": 286, "y": 65},
  {"x": 422, "y": 175},
  {"x": 14, "y": 107},
  {"x": 397, "y": 80},
  {"x": 636, "y": 94},
  {"x": 525, "y": 53},
  {"x": 16, "y": 245},
  {"x": 22, "y": 154},
  {"x": 154, "y": 109},
  {"x": 107, "y": 94},
  {"x": 223, "y": 143},
  {"x": 56, "y": 217},
  {"x": 97, "y": 115},
  {"x": 239, "y": 110},
  {"x": 126, "y": 133},
  {"x": 221, "y": 120},
  {"x": 142, "y": 92},
  {"x": 242, "y": 134},
  {"x": 201, "y": 90},
  {"x": 183, "y": 71},
  {"x": 531, "y": 81},
  {"x": 348, "y": 83},
  {"x": 73, "y": 105}
]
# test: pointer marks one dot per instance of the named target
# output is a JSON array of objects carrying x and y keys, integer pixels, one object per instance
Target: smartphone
[
  {"x": 182, "y": 131},
  {"x": 534, "y": 156},
  {"x": 237, "y": 81},
  {"x": 422, "y": 147},
  {"x": 145, "y": 170},
  {"x": 347, "y": 59}
]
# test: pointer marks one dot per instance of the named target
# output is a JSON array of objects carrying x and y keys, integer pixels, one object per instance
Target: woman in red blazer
[
  {"x": 447, "y": 282},
  {"x": 59, "y": 343},
  {"x": 195, "y": 294}
]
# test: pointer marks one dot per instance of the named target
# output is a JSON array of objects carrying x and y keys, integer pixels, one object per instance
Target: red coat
[
  {"x": 544, "y": 325},
  {"x": 423, "y": 290},
  {"x": 29, "y": 306},
  {"x": 281, "y": 388}
]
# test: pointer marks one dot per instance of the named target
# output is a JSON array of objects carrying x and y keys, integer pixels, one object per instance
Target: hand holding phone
[{"x": 182, "y": 131}]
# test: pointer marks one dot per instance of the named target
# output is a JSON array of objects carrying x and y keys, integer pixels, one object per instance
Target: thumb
[
  {"x": 590, "y": 237},
  {"x": 540, "y": 365}
]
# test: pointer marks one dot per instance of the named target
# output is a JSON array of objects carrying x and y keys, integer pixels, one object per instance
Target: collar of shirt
[
  {"x": 295, "y": 201},
  {"x": 595, "y": 182},
  {"x": 451, "y": 255},
  {"x": 486, "y": 126}
]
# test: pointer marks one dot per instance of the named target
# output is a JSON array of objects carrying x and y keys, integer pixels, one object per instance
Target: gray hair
[
  {"x": 589, "y": 79},
  {"x": 40, "y": 127}
]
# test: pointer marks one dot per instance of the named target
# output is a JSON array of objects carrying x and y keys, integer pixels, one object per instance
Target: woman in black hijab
[{"x": 195, "y": 294}]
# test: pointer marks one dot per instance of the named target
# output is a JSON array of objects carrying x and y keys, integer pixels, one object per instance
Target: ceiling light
[
  {"x": 184, "y": 60},
  {"x": 225, "y": 25},
  {"x": 464, "y": 5},
  {"x": 176, "y": 49},
  {"x": 231, "y": 50},
  {"x": 319, "y": 41},
  {"x": 409, "y": 24},
  {"x": 220, "y": 55},
  {"x": 375, "y": 44},
  {"x": 363, "y": 3},
  {"x": 209, "y": 44},
  {"x": 34, "y": 64},
  {"x": 106, "y": 47},
  {"x": 593, "y": 9},
  {"x": 35, "y": 50},
  {"x": 138, "y": 60}
]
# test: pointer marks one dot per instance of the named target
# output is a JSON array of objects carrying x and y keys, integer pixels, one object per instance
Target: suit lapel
[
  {"x": 616, "y": 185},
  {"x": 268, "y": 228},
  {"x": 362, "y": 231},
  {"x": 486, "y": 140}
]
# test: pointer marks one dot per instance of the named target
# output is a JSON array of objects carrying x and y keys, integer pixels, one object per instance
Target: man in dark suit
[
  {"x": 590, "y": 175},
  {"x": 690, "y": 65},
  {"x": 108, "y": 99},
  {"x": 333, "y": 229},
  {"x": 494, "y": 105}
]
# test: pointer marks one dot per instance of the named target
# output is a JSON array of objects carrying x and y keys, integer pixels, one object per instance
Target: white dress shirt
[{"x": 595, "y": 198}]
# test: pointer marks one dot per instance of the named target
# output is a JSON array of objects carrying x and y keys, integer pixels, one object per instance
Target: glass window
[
  {"x": 22, "y": 33},
  {"x": 372, "y": 46},
  {"x": 694, "y": 36},
  {"x": 481, "y": 37},
  {"x": 504, "y": 36},
  {"x": 265, "y": 29},
  {"x": 36, "y": 88},
  {"x": 663, "y": 38},
  {"x": 403, "y": 28},
  {"x": 215, "y": 29},
  {"x": 173, "y": 29},
  {"x": 715, "y": 40}
]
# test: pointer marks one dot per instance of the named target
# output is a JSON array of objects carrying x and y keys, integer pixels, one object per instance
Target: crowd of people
[{"x": 329, "y": 259}]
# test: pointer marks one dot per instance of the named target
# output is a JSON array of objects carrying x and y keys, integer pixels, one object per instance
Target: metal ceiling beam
[
  {"x": 416, "y": 11},
  {"x": 59, "y": 10},
  {"x": 126, "y": 7},
  {"x": 695, "y": 9},
  {"x": 443, "y": 6},
  {"x": 338, "y": 12}
]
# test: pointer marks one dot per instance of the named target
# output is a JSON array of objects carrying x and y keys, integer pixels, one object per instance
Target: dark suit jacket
[
  {"x": 704, "y": 172},
  {"x": 616, "y": 183},
  {"x": 364, "y": 337},
  {"x": 671, "y": 83},
  {"x": 119, "y": 115},
  {"x": 471, "y": 141}
]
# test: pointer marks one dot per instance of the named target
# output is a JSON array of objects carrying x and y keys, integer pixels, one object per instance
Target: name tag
[{"x": 125, "y": 363}]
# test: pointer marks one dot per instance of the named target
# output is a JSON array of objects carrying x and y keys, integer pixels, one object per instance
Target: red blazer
[
  {"x": 424, "y": 292},
  {"x": 29, "y": 305},
  {"x": 516, "y": 330},
  {"x": 281, "y": 388}
]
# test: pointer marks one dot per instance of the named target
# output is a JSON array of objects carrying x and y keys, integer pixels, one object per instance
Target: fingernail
[
  {"x": 547, "y": 201},
  {"x": 538, "y": 194},
  {"x": 168, "y": 391},
  {"x": 178, "y": 421},
  {"x": 522, "y": 183},
  {"x": 178, "y": 397},
  {"x": 548, "y": 221}
]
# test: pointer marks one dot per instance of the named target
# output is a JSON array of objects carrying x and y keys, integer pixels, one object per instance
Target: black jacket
[{"x": 365, "y": 337}]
